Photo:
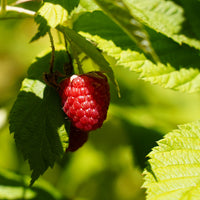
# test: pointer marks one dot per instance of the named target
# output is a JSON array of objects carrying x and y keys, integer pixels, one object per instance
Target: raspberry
[
  {"x": 77, "y": 138},
  {"x": 85, "y": 99}
]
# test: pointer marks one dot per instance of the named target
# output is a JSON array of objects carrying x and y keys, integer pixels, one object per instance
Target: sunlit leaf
[
  {"x": 186, "y": 80},
  {"x": 174, "y": 171},
  {"x": 163, "y": 16},
  {"x": 118, "y": 11},
  {"x": 54, "y": 14},
  {"x": 68, "y": 5}
]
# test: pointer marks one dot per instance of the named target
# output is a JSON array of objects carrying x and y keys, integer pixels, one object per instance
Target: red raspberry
[
  {"x": 85, "y": 99},
  {"x": 77, "y": 138}
]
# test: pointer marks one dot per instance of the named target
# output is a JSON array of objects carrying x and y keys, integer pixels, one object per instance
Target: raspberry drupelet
[{"x": 85, "y": 99}]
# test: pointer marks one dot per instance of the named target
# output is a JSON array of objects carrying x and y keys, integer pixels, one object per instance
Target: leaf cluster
[{"x": 158, "y": 39}]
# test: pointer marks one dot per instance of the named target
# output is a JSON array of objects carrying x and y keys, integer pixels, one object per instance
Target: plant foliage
[
  {"x": 15, "y": 186},
  {"x": 37, "y": 120},
  {"x": 158, "y": 39},
  {"x": 175, "y": 165}
]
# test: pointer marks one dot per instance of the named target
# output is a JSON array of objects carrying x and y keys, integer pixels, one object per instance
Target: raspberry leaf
[
  {"x": 53, "y": 13},
  {"x": 174, "y": 171},
  {"x": 38, "y": 122},
  {"x": 43, "y": 28},
  {"x": 88, "y": 6},
  {"x": 184, "y": 80},
  {"x": 165, "y": 17},
  {"x": 68, "y": 5},
  {"x": 119, "y": 12}
]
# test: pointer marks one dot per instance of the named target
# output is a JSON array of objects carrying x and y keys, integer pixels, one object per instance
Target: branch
[{"x": 17, "y": 9}]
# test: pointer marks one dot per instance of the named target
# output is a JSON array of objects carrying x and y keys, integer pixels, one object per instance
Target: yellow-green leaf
[
  {"x": 174, "y": 171},
  {"x": 185, "y": 80},
  {"x": 53, "y": 13}
]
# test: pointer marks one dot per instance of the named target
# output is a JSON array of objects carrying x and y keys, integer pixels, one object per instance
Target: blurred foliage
[{"x": 109, "y": 166}]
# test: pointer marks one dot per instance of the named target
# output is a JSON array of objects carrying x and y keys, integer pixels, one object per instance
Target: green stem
[
  {"x": 59, "y": 37},
  {"x": 19, "y": 10},
  {"x": 52, "y": 53},
  {"x": 3, "y": 6}
]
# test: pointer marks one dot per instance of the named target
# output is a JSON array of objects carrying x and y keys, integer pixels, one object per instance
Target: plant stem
[
  {"x": 3, "y": 6},
  {"x": 53, "y": 52},
  {"x": 16, "y": 9},
  {"x": 59, "y": 37}
]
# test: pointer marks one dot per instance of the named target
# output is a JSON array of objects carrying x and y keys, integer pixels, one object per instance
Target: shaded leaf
[
  {"x": 43, "y": 28},
  {"x": 191, "y": 11},
  {"x": 37, "y": 120},
  {"x": 34, "y": 123},
  {"x": 120, "y": 13}
]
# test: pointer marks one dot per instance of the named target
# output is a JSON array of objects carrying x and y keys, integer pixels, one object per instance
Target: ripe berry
[
  {"x": 77, "y": 138},
  {"x": 85, "y": 99}
]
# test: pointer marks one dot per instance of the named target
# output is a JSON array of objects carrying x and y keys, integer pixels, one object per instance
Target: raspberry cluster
[{"x": 85, "y": 99}]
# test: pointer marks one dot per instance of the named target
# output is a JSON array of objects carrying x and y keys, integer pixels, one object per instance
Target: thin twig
[
  {"x": 19, "y": 10},
  {"x": 52, "y": 53}
]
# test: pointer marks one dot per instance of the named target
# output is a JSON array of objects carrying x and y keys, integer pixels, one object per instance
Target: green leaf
[
  {"x": 51, "y": 14},
  {"x": 69, "y": 5},
  {"x": 118, "y": 11},
  {"x": 41, "y": 63},
  {"x": 79, "y": 42},
  {"x": 163, "y": 16},
  {"x": 86, "y": 5},
  {"x": 174, "y": 171},
  {"x": 43, "y": 28},
  {"x": 15, "y": 186},
  {"x": 191, "y": 11},
  {"x": 185, "y": 80},
  {"x": 54, "y": 14},
  {"x": 97, "y": 23},
  {"x": 37, "y": 120},
  {"x": 169, "y": 51}
]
